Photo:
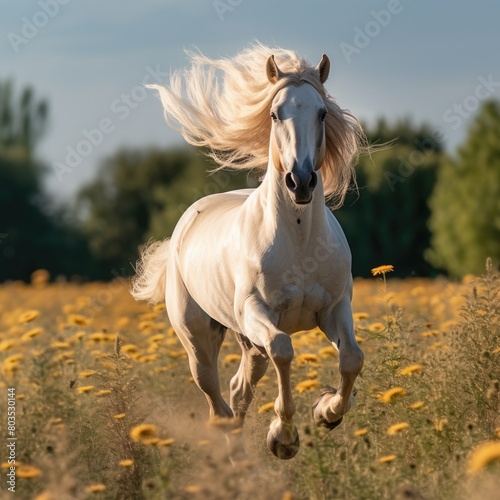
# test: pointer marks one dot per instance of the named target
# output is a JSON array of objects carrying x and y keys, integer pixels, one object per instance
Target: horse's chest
[{"x": 298, "y": 307}]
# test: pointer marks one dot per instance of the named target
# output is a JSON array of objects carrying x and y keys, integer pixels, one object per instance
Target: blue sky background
[{"x": 87, "y": 55}]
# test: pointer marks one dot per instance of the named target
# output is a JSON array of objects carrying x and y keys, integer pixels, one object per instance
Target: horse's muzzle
[{"x": 301, "y": 186}]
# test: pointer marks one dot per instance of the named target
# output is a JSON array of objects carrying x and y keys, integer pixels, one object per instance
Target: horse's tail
[{"x": 151, "y": 273}]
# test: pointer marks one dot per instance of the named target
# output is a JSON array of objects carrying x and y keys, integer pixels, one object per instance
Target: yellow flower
[
  {"x": 496, "y": 350},
  {"x": 87, "y": 373},
  {"x": 84, "y": 389},
  {"x": 5, "y": 345},
  {"x": 147, "y": 358},
  {"x": 129, "y": 348},
  {"x": 31, "y": 333},
  {"x": 95, "y": 488},
  {"x": 28, "y": 472},
  {"x": 430, "y": 333},
  {"x": 60, "y": 345},
  {"x": 156, "y": 338},
  {"x": 306, "y": 385},
  {"x": 159, "y": 308},
  {"x": 483, "y": 455},
  {"x": 360, "y": 315},
  {"x": 165, "y": 442},
  {"x": 360, "y": 432},
  {"x": 266, "y": 407},
  {"x": 376, "y": 327},
  {"x": 438, "y": 345},
  {"x": 312, "y": 374},
  {"x": 308, "y": 358},
  {"x": 410, "y": 369},
  {"x": 440, "y": 424},
  {"x": 387, "y": 458},
  {"x": 14, "y": 359},
  {"x": 102, "y": 393},
  {"x": 394, "y": 429},
  {"x": 119, "y": 416},
  {"x": 7, "y": 465},
  {"x": 143, "y": 432},
  {"x": 386, "y": 397},
  {"x": 28, "y": 316},
  {"x": 382, "y": 270},
  {"x": 126, "y": 462},
  {"x": 78, "y": 319},
  {"x": 417, "y": 405},
  {"x": 146, "y": 325}
]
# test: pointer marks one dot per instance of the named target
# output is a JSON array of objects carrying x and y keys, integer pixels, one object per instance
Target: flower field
[{"x": 105, "y": 406}]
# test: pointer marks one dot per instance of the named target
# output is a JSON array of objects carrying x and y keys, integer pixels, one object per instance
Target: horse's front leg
[
  {"x": 333, "y": 404},
  {"x": 260, "y": 325}
]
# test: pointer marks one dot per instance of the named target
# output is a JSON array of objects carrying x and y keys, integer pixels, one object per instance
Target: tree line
[{"x": 418, "y": 208}]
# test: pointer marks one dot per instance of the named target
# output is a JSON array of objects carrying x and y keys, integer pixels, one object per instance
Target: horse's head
[{"x": 297, "y": 143}]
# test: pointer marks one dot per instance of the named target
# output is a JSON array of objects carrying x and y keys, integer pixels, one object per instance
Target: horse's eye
[
  {"x": 323, "y": 116},
  {"x": 273, "y": 116}
]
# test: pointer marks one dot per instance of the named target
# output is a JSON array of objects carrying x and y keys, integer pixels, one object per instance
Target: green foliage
[
  {"x": 22, "y": 123},
  {"x": 30, "y": 237},
  {"x": 387, "y": 221},
  {"x": 465, "y": 205},
  {"x": 142, "y": 194}
]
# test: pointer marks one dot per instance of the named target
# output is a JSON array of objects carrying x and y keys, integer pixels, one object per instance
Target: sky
[{"x": 429, "y": 61}]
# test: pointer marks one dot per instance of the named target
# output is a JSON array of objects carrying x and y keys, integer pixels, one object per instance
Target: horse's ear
[
  {"x": 272, "y": 70},
  {"x": 323, "y": 68}
]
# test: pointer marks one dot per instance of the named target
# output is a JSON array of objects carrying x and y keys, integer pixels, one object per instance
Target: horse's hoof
[
  {"x": 329, "y": 425},
  {"x": 319, "y": 419},
  {"x": 283, "y": 451}
]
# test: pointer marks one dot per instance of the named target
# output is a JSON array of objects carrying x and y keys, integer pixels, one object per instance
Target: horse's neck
[{"x": 281, "y": 214}]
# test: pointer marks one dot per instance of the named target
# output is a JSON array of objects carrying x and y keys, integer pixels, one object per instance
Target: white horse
[{"x": 266, "y": 262}]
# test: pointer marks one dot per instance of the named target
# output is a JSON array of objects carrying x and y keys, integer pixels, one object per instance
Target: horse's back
[{"x": 210, "y": 215}]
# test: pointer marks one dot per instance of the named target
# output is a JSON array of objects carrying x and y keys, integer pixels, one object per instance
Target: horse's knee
[
  {"x": 351, "y": 361},
  {"x": 280, "y": 349}
]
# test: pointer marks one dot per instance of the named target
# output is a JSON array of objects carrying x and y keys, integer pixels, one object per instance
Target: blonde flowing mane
[{"x": 224, "y": 106}]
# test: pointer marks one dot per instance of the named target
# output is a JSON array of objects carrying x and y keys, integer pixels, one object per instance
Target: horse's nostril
[
  {"x": 291, "y": 181},
  {"x": 313, "y": 181}
]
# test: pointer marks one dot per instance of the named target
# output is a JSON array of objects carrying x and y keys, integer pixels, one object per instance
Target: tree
[
  {"x": 386, "y": 223},
  {"x": 465, "y": 221},
  {"x": 30, "y": 236},
  {"x": 22, "y": 124}
]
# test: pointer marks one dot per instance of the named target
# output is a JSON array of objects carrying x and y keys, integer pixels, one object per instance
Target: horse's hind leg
[
  {"x": 252, "y": 368},
  {"x": 202, "y": 338}
]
